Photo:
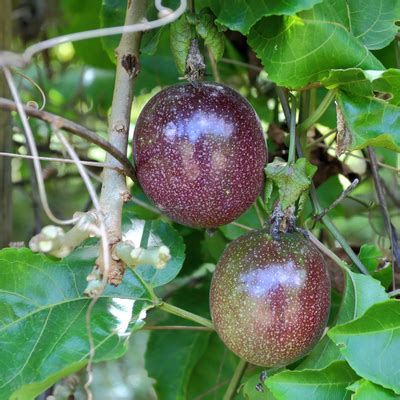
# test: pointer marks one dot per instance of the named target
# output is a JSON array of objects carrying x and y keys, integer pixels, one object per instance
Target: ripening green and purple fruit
[
  {"x": 270, "y": 299},
  {"x": 200, "y": 153}
]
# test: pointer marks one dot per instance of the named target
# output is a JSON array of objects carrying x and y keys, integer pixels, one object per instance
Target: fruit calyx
[{"x": 195, "y": 65}]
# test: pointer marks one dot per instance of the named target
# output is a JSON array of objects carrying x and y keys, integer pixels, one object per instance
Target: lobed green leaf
[
  {"x": 371, "y": 344},
  {"x": 43, "y": 311},
  {"x": 181, "y": 35},
  {"x": 291, "y": 180},
  {"x": 240, "y": 15},
  {"x": 213, "y": 38},
  {"x": 360, "y": 293},
  {"x": 371, "y": 121},
  {"x": 323, "y": 384},
  {"x": 364, "y": 83},
  {"x": 302, "y": 49},
  {"x": 365, "y": 390}
]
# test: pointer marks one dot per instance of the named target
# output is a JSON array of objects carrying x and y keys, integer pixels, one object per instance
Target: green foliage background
[{"x": 314, "y": 46}]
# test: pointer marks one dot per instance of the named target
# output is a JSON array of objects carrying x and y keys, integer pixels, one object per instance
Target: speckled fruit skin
[
  {"x": 270, "y": 300},
  {"x": 200, "y": 153}
]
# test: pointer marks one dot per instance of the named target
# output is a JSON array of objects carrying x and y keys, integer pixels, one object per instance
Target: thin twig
[
  {"x": 292, "y": 125},
  {"x": 395, "y": 249},
  {"x": 258, "y": 212},
  {"x": 235, "y": 381},
  {"x": 171, "y": 309},
  {"x": 35, "y": 85},
  {"x": 342, "y": 196},
  {"x": 214, "y": 66},
  {"x": 321, "y": 138},
  {"x": 104, "y": 248},
  {"x": 76, "y": 129},
  {"x": 394, "y": 293},
  {"x": 342, "y": 264},
  {"x": 33, "y": 149},
  {"x": 176, "y": 328},
  {"x": 239, "y": 225},
  {"x": 391, "y": 193},
  {"x": 318, "y": 113},
  {"x": 61, "y": 160},
  {"x": 241, "y": 64},
  {"x": 145, "y": 205},
  {"x": 220, "y": 385},
  {"x": 350, "y": 154}
]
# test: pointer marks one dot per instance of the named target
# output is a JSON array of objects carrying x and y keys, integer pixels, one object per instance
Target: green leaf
[
  {"x": 42, "y": 315},
  {"x": 181, "y": 35},
  {"x": 248, "y": 219},
  {"x": 371, "y": 121},
  {"x": 374, "y": 25},
  {"x": 158, "y": 69},
  {"x": 91, "y": 52},
  {"x": 387, "y": 55},
  {"x": 240, "y": 15},
  {"x": 371, "y": 344},
  {"x": 214, "y": 370},
  {"x": 291, "y": 180},
  {"x": 171, "y": 356},
  {"x": 365, "y": 83},
  {"x": 44, "y": 297},
  {"x": 366, "y": 390},
  {"x": 324, "y": 384},
  {"x": 360, "y": 293},
  {"x": 151, "y": 40},
  {"x": 112, "y": 14},
  {"x": 370, "y": 256},
  {"x": 213, "y": 38},
  {"x": 301, "y": 49}
]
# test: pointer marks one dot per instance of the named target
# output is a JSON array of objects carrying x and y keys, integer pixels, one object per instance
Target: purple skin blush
[
  {"x": 269, "y": 299},
  {"x": 200, "y": 153}
]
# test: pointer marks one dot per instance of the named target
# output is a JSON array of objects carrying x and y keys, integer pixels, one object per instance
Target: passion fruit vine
[
  {"x": 200, "y": 153},
  {"x": 270, "y": 299}
]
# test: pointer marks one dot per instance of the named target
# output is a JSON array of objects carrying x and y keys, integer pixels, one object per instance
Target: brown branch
[
  {"x": 77, "y": 130},
  {"x": 114, "y": 191},
  {"x": 395, "y": 249},
  {"x": 5, "y": 137}
]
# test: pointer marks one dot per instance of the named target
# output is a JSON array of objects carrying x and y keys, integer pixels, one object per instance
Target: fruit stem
[
  {"x": 292, "y": 144},
  {"x": 318, "y": 113},
  {"x": 327, "y": 251},
  {"x": 314, "y": 199},
  {"x": 235, "y": 381},
  {"x": 343, "y": 243},
  {"x": 176, "y": 328},
  {"x": 169, "y": 308},
  {"x": 148, "y": 288}
]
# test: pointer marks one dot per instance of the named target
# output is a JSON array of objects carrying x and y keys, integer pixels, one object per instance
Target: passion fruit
[
  {"x": 200, "y": 153},
  {"x": 270, "y": 299}
]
